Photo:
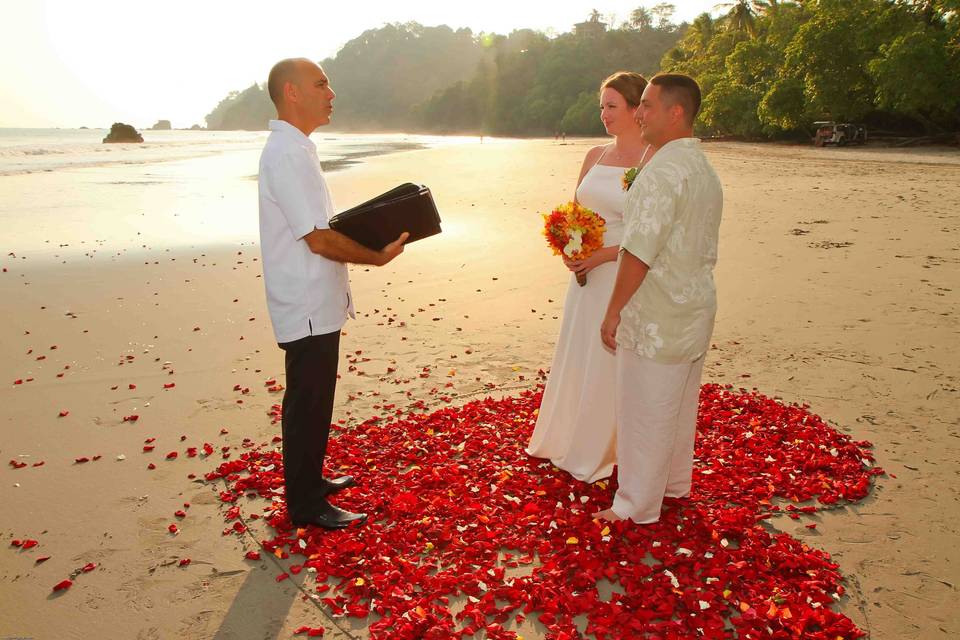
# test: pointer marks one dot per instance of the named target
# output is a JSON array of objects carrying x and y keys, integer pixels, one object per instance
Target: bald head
[
  {"x": 301, "y": 92},
  {"x": 288, "y": 70}
]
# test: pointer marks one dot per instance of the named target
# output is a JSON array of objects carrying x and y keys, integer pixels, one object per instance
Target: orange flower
[{"x": 573, "y": 230}]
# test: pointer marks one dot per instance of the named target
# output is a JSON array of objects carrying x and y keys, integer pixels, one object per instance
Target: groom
[
  {"x": 661, "y": 312},
  {"x": 308, "y": 293}
]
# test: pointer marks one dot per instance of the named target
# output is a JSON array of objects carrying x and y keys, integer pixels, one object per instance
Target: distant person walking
[{"x": 308, "y": 293}]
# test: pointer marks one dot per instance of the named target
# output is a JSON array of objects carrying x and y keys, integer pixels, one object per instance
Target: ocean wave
[
  {"x": 35, "y": 151},
  {"x": 17, "y": 152}
]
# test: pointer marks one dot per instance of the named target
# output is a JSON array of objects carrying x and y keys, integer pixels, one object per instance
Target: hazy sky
[{"x": 69, "y": 63}]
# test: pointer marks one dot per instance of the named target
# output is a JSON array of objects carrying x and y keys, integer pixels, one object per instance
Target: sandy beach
[{"x": 838, "y": 283}]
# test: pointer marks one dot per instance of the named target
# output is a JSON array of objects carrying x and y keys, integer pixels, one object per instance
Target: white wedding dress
[{"x": 576, "y": 427}]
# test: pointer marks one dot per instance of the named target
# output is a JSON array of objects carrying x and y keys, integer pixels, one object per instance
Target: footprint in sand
[{"x": 829, "y": 244}]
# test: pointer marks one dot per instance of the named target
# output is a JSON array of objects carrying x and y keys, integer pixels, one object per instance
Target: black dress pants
[{"x": 311, "y": 367}]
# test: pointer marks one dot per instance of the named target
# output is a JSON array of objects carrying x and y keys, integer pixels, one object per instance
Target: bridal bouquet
[{"x": 574, "y": 231}]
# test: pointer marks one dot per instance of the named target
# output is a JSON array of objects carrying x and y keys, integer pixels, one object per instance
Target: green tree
[
  {"x": 740, "y": 16},
  {"x": 641, "y": 19},
  {"x": 914, "y": 74},
  {"x": 583, "y": 116},
  {"x": 770, "y": 68},
  {"x": 663, "y": 12},
  {"x": 380, "y": 75},
  {"x": 406, "y": 76},
  {"x": 783, "y": 106},
  {"x": 249, "y": 110},
  {"x": 731, "y": 108},
  {"x": 830, "y": 53}
]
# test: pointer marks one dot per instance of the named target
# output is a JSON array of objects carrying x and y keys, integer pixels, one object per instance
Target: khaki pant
[{"x": 656, "y": 426}]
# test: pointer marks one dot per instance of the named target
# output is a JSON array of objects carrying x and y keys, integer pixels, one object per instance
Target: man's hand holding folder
[
  {"x": 334, "y": 245},
  {"x": 393, "y": 249},
  {"x": 378, "y": 222}
]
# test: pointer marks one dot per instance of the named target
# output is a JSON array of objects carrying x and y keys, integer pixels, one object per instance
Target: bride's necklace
[{"x": 622, "y": 157}]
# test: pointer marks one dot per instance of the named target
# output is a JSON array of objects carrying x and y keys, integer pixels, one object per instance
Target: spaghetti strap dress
[{"x": 576, "y": 426}]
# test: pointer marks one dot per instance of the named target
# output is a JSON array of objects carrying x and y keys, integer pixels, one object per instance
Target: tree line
[
  {"x": 439, "y": 80},
  {"x": 768, "y": 69}
]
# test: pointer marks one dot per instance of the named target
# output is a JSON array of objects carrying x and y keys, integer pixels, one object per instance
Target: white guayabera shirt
[
  {"x": 672, "y": 223},
  {"x": 307, "y": 294}
]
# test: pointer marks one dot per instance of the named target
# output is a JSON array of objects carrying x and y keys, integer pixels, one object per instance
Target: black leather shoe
[
  {"x": 329, "y": 516},
  {"x": 339, "y": 484}
]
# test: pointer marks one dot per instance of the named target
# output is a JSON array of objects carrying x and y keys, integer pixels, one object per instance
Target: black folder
[{"x": 378, "y": 222}]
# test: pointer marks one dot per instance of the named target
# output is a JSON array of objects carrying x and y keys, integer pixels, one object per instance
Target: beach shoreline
[{"x": 837, "y": 287}]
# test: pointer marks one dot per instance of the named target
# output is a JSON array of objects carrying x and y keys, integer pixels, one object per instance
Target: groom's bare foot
[{"x": 607, "y": 514}]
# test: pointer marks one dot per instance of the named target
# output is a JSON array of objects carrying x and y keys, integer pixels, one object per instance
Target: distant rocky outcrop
[
  {"x": 162, "y": 125},
  {"x": 121, "y": 132},
  {"x": 196, "y": 127}
]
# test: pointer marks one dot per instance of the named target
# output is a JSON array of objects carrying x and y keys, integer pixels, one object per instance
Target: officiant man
[
  {"x": 661, "y": 312},
  {"x": 307, "y": 286}
]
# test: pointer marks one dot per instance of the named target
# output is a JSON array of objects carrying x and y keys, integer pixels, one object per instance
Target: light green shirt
[{"x": 672, "y": 223}]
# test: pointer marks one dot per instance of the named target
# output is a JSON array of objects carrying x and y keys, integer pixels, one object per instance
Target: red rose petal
[
  {"x": 63, "y": 585},
  {"x": 455, "y": 502}
]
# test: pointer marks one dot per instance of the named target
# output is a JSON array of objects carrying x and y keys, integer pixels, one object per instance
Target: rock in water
[
  {"x": 162, "y": 125},
  {"x": 120, "y": 132}
]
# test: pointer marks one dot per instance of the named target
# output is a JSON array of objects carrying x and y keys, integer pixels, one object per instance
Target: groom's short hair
[
  {"x": 285, "y": 71},
  {"x": 678, "y": 88}
]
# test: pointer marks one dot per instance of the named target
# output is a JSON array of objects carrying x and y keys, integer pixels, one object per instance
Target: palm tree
[
  {"x": 663, "y": 12},
  {"x": 742, "y": 14},
  {"x": 641, "y": 19},
  {"x": 701, "y": 31}
]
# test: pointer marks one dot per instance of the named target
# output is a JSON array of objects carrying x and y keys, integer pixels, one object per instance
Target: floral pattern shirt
[{"x": 672, "y": 223}]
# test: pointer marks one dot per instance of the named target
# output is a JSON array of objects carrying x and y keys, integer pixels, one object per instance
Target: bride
[{"x": 576, "y": 428}]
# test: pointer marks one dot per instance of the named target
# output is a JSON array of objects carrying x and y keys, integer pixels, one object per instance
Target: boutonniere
[{"x": 628, "y": 177}]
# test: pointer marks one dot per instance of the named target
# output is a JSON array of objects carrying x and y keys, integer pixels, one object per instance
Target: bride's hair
[{"x": 628, "y": 84}]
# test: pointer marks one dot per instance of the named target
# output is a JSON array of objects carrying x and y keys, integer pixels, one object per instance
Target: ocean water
[
  {"x": 64, "y": 193},
  {"x": 35, "y": 150}
]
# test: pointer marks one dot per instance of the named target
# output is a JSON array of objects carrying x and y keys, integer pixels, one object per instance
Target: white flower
[
  {"x": 649, "y": 341},
  {"x": 677, "y": 237},
  {"x": 575, "y": 243},
  {"x": 646, "y": 223}
]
